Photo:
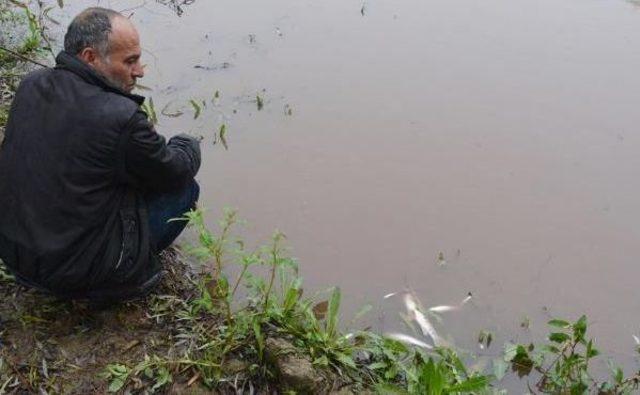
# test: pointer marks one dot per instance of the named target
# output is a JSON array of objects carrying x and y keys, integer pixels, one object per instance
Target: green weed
[
  {"x": 149, "y": 108},
  {"x": 564, "y": 363},
  {"x": 259, "y": 102},
  {"x": 116, "y": 374},
  {"x": 197, "y": 109},
  {"x": 275, "y": 307}
]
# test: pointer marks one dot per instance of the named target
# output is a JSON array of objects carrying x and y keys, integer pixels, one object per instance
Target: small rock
[{"x": 295, "y": 372}]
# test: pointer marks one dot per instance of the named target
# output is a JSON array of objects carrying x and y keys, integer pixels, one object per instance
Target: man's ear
[{"x": 88, "y": 55}]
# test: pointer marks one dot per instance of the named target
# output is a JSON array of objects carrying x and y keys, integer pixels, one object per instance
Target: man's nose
[{"x": 138, "y": 71}]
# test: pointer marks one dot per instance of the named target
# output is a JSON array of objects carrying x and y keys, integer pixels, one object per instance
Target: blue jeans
[{"x": 168, "y": 205}]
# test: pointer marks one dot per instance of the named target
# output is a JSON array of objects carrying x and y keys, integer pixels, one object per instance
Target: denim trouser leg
[{"x": 168, "y": 205}]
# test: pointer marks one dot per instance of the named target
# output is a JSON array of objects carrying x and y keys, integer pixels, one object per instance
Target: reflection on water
[{"x": 443, "y": 146}]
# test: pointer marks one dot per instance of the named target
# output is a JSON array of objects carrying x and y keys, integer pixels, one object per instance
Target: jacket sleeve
[{"x": 153, "y": 164}]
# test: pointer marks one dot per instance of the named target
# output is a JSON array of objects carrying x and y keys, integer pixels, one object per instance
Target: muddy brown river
[{"x": 448, "y": 147}]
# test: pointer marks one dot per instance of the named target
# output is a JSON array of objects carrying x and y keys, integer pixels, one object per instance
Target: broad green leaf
[
  {"x": 116, "y": 384},
  {"x": 559, "y": 337},
  {"x": 321, "y": 361},
  {"x": 591, "y": 351},
  {"x": 470, "y": 385},
  {"x": 432, "y": 380},
  {"x": 163, "y": 378},
  {"x": 346, "y": 360},
  {"x": 377, "y": 365},
  {"x": 332, "y": 312},
  {"x": 257, "y": 331},
  {"x": 580, "y": 327},
  {"x": 559, "y": 323}
]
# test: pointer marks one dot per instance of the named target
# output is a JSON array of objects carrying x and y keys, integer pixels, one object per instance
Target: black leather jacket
[{"x": 78, "y": 157}]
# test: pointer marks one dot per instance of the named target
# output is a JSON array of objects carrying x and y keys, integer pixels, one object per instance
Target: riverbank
[
  {"x": 148, "y": 345},
  {"x": 255, "y": 331},
  {"x": 195, "y": 334}
]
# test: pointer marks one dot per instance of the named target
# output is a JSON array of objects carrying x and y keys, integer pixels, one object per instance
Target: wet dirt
[{"x": 64, "y": 347}]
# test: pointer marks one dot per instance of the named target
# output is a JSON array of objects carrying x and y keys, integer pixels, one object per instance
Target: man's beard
[
  {"x": 118, "y": 84},
  {"x": 122, "y": 85}
]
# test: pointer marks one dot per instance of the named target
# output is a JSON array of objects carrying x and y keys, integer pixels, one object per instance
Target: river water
[{"x": 447, "y": 147}]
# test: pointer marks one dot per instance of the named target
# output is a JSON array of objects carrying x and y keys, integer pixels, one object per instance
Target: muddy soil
[{"x": 63, "y": 347}]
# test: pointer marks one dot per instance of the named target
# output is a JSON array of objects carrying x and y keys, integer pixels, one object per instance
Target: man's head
[{"x": 109, "y": 43}]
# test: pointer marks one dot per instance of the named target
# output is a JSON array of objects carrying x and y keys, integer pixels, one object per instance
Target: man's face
[{"x": 121, "y": 66}]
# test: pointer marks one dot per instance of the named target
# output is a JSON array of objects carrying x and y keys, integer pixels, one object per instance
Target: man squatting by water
[{"x": 86, "y": 184}]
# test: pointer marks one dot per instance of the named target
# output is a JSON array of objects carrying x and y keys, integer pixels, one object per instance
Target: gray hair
[{"x": 90, "y": 28}]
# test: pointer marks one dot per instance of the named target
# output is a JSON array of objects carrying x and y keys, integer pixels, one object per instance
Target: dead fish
[
  {"x": 421, "y": 319},
  {"x": 409, "y": 339},
  {"x": 445, "y": 308},
  {"x": 387, "y": 296}
]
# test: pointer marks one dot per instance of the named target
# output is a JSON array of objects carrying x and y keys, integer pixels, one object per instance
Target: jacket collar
[{"x": 66, "y": 61}]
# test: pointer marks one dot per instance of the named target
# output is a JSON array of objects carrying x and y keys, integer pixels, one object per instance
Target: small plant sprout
[
  {"x": 222, "y": 133},
  {"x": 117, "y": 375},
  {"x": 221, "y": 136},
  {"x": 149, "y": 108},
  {"x": 440, "y": 260},
  {"x": 216, "y": 98},
  {"x": 259, "y": 102},
  {"x": 525, "y": 323},
  {"x": 197, "y": 109}
]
